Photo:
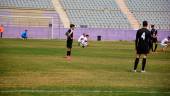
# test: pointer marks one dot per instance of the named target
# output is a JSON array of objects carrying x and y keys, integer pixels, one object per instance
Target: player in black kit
[
  {"x": 69, "y": 35},
  {"x": 142, "y": 45},
  {"x": 154, "y": 38}
]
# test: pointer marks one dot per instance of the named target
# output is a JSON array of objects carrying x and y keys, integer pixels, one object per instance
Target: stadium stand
[
  {"x": 95, "y": 13},
  {"x": 34, "y": 15},
  {"x": 19, "y": 18},
  {"x": 154, "y": 11},
  {"x": 23, "y": 7},
  {"x": 27, "y": 4}
]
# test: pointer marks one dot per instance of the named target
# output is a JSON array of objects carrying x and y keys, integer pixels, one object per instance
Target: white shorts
[
  {"x": 163, "y": 45},
  {"x": 84, "y": 44}
]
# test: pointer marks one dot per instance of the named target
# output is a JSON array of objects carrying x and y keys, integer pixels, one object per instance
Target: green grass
[{"x": 37, "y": 68}]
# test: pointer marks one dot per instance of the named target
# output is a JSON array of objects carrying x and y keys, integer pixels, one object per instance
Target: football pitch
[{"x": 38, "y": 68}]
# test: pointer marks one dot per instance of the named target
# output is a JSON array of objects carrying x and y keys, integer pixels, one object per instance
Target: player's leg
[
  {"x": 83, "y": 44},
  {"x": 79, "y": 43},
  {"x": 22, "y": 37},
  {"x": 144, "y": 62},
  {"x": 1, "y": 34},
  {"x": 68, "y": 51},
  {"x": 69, "y": 47},
  {"x": 163, "y": 47},
  {"x": 68, "y": 54},
  {"x": 25, "y": 38},
  {"x": 136, "y": 62},
  {"x": 156, "y": 45},
  {"x": 152, "y": 45}
]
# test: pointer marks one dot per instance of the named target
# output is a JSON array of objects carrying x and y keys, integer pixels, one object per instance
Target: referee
[
  {"x": 142, "y": 45},
  {"x": 69, "y": 35}
]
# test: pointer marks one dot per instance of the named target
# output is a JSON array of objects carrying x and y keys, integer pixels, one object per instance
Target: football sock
[
  {"x": 68, "y": 53},
  {"x": 152, "y": 48},
  {"x": 155, "y": 47},
  {"x": 143, "y": 63},
  {"x": 136, "y": 63}
]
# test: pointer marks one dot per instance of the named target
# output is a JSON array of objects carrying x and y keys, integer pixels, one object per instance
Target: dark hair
[
  {"x": 87, "y": 35},
  {"x": 168, "y": 37},
  {"x": 26, "y": 30},
  {"x": 152, "y": 26},
  {"x": 72, "y": 25},
  {"x": 145, "y": 23}
]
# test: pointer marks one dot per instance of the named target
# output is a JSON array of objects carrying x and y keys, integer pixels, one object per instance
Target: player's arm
[
  {"x": 150, "y": 39},
  {"x": 156, "y": 32},
  {"x": 151, "y": 33},
  {"x": 137, "y": 40},
  {"x": 70, "y": 33}
]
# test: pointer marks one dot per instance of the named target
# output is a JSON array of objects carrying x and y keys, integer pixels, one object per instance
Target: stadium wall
[
  {"x": 59, "y": 33},
  {"x": 108, "y": 34}
]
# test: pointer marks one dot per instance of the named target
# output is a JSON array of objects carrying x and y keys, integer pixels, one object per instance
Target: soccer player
[
  {"x": 24, "y": 35},
  {"x": 84, "y": 42},
  {"x": 154, "y": 38},
  {"x": 69, "y": 35},
  {"x": 1, "y": 30},
  {"x": 142, "y": 45},
  {"x": 81, "y": 38},
  {"x": 164, "y": 43}
]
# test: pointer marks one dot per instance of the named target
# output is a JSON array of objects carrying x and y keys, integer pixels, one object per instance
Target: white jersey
[
  {"x": 164, "y": 41},
  {"x": 83, "y": 41},
  {"x": 81, "y": 38}
]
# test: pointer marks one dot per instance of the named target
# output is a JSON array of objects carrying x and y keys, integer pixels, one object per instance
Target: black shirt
[
  {"x": 70, "y": 36},
  {"x": 154, "y": 33},
  {"x": 143, "y": 40}
]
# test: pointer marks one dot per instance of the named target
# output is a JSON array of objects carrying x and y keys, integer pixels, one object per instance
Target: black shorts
[
  {"x": 154, "y": 40},
  {"x": 142, "y": 50},
  {"x": 69, "y": 43}
]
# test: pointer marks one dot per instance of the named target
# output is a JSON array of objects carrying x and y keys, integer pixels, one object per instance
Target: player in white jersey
[
  {"x": 81, "y": 38},
  {"x": 84, "y": 42},
  {"x": 164, "y": 43}
]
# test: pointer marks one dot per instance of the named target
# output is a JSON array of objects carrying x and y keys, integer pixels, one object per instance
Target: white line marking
[{"x": 81, "y": 91}]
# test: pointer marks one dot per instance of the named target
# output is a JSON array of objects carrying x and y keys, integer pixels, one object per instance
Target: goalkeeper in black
[{"x": 142, "y": 45}]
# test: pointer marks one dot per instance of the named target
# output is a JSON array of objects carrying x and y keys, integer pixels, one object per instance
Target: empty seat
[{"x": 31, "y": 4}]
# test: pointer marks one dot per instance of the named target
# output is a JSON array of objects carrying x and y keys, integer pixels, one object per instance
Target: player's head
[
  {"x": 72, "y": 26},
  {"x": 87, "y": 35},
  {"x": 84, "y": 34},
  {"x": 26, "y": 30},
  {"x": 152, "y": 26},
  {"x": 168, "y": 37},
  {"x": 145, "y": 24}
]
